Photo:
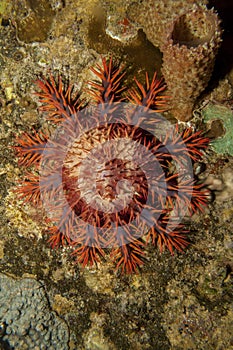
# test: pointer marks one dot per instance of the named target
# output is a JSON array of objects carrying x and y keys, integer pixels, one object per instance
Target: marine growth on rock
[{"x": 115, "y": 174}]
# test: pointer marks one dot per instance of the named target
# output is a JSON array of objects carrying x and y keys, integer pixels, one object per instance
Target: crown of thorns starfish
[{"x": 114, "y": 175}]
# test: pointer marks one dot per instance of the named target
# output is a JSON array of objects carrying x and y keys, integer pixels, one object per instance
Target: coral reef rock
[{"x": 27, "y": 321}]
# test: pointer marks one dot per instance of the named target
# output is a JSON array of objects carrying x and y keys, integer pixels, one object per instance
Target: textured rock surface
[{"x": 27, "y": 321}]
